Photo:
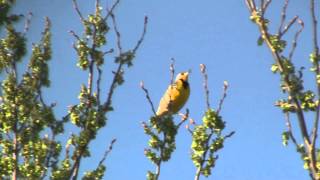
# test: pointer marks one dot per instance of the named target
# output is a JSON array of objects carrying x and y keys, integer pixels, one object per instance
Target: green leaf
[{"x": 260, "y": 41}]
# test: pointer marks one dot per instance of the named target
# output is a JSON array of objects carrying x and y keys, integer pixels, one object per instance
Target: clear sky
[{"x": 216, "y": 33}]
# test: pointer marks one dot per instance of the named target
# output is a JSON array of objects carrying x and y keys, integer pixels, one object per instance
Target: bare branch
[
  {"x": 262, "y": 4},
  {"x": 205, "y": 84},
  {"x": 188, "y": 129},
  {"x": 288, "y": 124},
  {"x": 316, "y": 65},
  {"x": 117, "y": 73},
  {"x": 142, "y": 35},
  {"x": 224, "y": 95},
  {"x": 265, "y": 6},
  {"x": 76, "y": 7},
  {"x": 41, "y": 98},
  {"x": 116, "y": 30},
  {"x": 283, "y": 16},
  {"x": 295, "y": 39},
  {"x": 172, "y": 71},
  {"x": 75, "y": 35},
  {"x": 148, "y": 97},
  {"x": 107, "y": 152},
  {"x": 229, "y": 135},
  {"x": 110, "y": 11},
  {"x": 97, "y": 4},
  {"x": 109, "y": 51},
  {"x": 98, "y": 84},
  {"x": 184, "y": 117},
  {"x": 27, "y": 23},
  {"x": 314, "y": 28},
  {"x": 288, "y": 26},
  {"x": 251, "y": 5}
]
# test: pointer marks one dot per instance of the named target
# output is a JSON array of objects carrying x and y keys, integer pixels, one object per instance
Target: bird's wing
[{"x": 169, "y": 96}]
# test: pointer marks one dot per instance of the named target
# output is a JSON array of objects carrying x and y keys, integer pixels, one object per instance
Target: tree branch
[
  {"x": 108, "y": 150},
  {"x": 27, "y": 23},
  {"x": 76, "y": 7},
  {"x": 148, "y": 97},
  {"x": 295, "y": 39},
  {"x": 205, "y": 84},
  {"x": 283, "y": 16},
  {"x": 288, "y": 124},
  {"x": 316, "y": 64},
  {"x": 142, "y": 35},
  {"x": 260, "y": 21},
  {"x": 110, "y": 11},
  {"x": 224, "y": 95},
  {"x": 184, "y": 117},
  {"x": 288, "y": 26}
]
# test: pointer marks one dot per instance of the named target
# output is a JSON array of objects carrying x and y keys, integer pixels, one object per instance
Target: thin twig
[
  {"x": 142, "y": 35},
  {"x": 41, "y": 97},
  {"x": 265, "y": 6},
  {"x": 158, "y": 169},
  {"x": 283, "y": 16},
  {"x": 205, "y": 84},
  {"x": 229, "y": 135},
  {"x": 316, "y": 64},
  {"x": 191, "y": 122},
  {"x": 172, "y": 71},
  {"x": 110, "y": 11},
  {"x": 316, "y": 53},
  {"x": 188, "y": 129},
  {"x": 108, "y": 52},
  {"x": 224, "y": 95},
  {"x": 251, "y": 5},
  {"x": 184, "y": 117},
  {"x": 107, "y": 152},
  {"x": 314, "y": 27},
  {"x": 113, "y": 84},
  {"x": 98, "y": 84},
  {"x": 148, "y": 97},
  {"x": 116, "y": 30},
  {"x": 288, "y": 124},
  {"x": 288, "y": 26},
  {"x": 76, "y": 7},
  {"x": 97, "y": 4},
  {"x": 75, "y": 35},
  {"x": 67, "y": 151},
  {"x": 295, "y": 39},
  {"x": 261, "y": 6},
  {"x": 27, "y": 23}
]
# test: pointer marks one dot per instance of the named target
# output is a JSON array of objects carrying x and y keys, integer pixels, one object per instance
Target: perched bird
[{"x": 176, "y": 95}]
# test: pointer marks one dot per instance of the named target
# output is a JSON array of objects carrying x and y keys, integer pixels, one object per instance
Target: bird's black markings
[{"x": 185, "y": 84}]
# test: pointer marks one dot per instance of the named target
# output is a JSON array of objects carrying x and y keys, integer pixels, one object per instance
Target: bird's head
[{"x": 182, "y": 76}]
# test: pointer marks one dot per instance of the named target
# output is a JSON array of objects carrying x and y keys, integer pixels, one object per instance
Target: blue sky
[{"x": 216, "y": 33}]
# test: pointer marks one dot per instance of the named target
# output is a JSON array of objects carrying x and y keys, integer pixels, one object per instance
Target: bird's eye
[{"x": 182, "y": 73}]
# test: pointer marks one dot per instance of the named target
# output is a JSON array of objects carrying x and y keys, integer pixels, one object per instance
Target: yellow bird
[{"x": 176, "y": 96}]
